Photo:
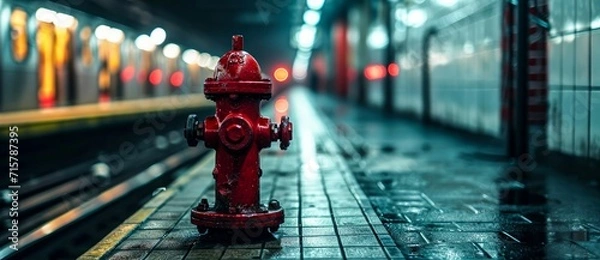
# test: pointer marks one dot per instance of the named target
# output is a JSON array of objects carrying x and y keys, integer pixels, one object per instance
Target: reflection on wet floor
[{"x": 443, "y": 196}]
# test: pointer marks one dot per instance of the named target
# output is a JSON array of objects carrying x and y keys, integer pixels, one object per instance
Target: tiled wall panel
[
  {"x": 465, "y": 62},
  {"x": 574, "y": 126}
]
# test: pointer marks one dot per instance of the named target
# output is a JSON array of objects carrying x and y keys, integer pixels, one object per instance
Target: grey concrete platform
[{"x": 357, "y": 185}]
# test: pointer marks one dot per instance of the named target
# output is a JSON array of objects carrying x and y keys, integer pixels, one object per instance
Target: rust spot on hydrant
[{"x": 237, "y": 132}]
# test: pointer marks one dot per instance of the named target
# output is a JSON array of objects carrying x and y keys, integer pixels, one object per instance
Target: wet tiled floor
[
  {"x": 356, "y": 185},
  {"x": 446, "y": 195}
]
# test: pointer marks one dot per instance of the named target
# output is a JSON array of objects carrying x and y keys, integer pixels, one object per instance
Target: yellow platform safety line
[
  {"x": 40, "y": 120},
  {"x": 111, "y": 240}
]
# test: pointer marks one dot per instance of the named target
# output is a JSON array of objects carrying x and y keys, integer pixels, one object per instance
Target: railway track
[{"x": 84, "y": 194}]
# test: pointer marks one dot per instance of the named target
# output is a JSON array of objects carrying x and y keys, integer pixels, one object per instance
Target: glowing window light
[
  {"x": 158, "y": 36},
  {"x": 171, "y": 50},
  {"x": 281, "y": 74},
  {"x": 115, "y": 35},
  {"x": 102, "y": 32},
  {"x": 45, "y": 15},
  {"x": 315, "y": 4},
  {"x": 176, "y": 79},
  {"x": 143, "y": 42},
  {"x": 64, "y": 20},
  {"x": 311, "y": 17}
]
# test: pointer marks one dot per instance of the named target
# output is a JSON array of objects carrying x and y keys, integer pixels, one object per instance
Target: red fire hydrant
[{"x": 237, "y": 132}]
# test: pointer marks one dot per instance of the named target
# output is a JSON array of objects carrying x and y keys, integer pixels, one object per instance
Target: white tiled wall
[
  {"x": 466, "y": 81},
  {"x": 465, "y": 69},
  {"x": 574, "y": 59},
  {"x": 595, "y": 95}
]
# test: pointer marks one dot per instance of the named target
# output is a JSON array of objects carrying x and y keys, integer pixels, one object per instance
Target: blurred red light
[
  {"x": 46, "y": 102},
  {"x": 281, "y": 74},
  {"x": 393, "y": 69},
  {"x": 281, "y": 105},
  {"x": 155, "y": 77},
  {"x": 374, "y": 72},
  {"x": 127, "y": 74},
  {"x": 176, "y": 79}
]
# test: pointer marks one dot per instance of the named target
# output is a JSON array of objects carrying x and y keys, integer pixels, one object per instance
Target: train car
[
  {"x": 18, "y": 56},
  {"x": 56, "y": 56}
]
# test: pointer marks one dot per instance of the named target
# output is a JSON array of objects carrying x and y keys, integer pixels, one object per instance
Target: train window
[
  {"x": 18, "y": 32},
  {"x": 86, "y": 51}
]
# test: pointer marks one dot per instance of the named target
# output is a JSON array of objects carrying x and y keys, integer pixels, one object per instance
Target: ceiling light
[
  {"x": 158, "y": 36},
  {"x": 315, "y": 4},
  {"x": 311, "y": 17},
  {"x": 190, "y": 56},
  {"x": 143, "y": 42},
  {"x": 171, "y": 50}
]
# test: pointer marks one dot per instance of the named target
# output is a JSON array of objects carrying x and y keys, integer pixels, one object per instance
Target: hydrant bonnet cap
[{"x": 237, "y": 64}]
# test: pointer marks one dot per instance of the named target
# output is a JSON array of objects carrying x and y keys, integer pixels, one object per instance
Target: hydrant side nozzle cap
[{"x": 237, "y": 43}]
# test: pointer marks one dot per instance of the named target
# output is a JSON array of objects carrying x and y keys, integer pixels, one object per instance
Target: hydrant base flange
[{"x": 211, "y": 219}]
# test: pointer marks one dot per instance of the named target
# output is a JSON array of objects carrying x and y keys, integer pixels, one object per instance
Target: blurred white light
[
  {"x": 190, "y": 56},
  {"x": 299, "y": 73},
  {"x": 143, "y": 42},
  {"x": 446, "y": 3},
  {"x": 214, "y": 60},
  {"x": 306, "y": 36},
  {"x": 378, "y": 38},
  {"x": 596, "y": 23},
  {"x": 468, "y": 48},
  {"x": 557, "y": 40},
  {"x": 115, "y": 35},
  {"x": 300, "y": 66},
  {"x": 171, "y": 51},
  {"x": 315, "y": 4},
  {"x": 416, "y": 18},
  {"x": 438, "y": 59},
  {"x": 303, "y": 55},
  {"x": 203, "y": 60},
  {"x": 102, "y": 32},
  {"x": 64, "y": 20},
  {"x": 401, "y": 14},
  {"x": 158, "y": 36},
  {"x": 311, "y": 17},
  {"x": 569, "y": 37},
  {"x": 45, "y": 15}
]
